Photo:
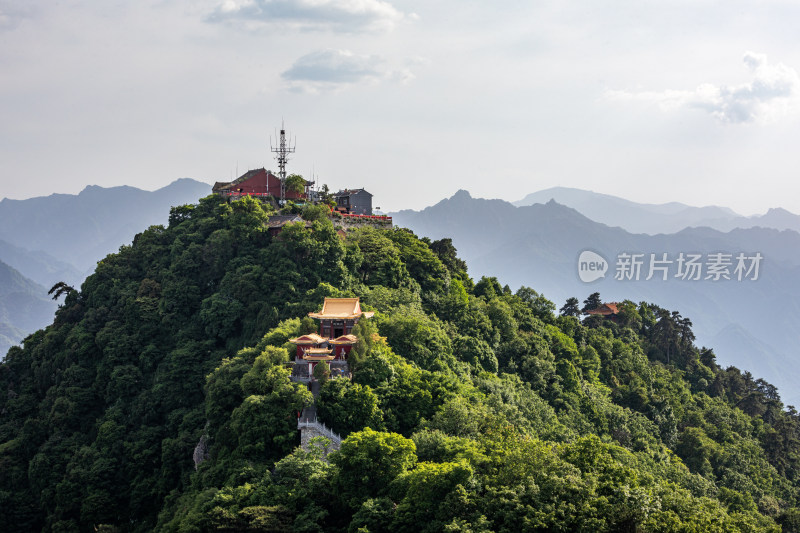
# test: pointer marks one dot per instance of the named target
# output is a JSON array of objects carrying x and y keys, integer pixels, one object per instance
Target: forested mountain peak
[{"x": 471, "y": 407}]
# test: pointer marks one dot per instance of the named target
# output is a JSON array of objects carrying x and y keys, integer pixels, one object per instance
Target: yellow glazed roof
[
  {"x": 318, "y": 355},
  {"x": 317, "y": 351},
  {"x": 310, "y": 338},
  {"x": 344, "y": 339},
  {"x": 341, "y": 308}
]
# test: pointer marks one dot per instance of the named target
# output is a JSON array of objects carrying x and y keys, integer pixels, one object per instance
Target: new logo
[{"x": 591, "y": 266}]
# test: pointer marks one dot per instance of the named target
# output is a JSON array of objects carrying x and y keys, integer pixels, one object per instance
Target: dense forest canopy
[{"x": 159, "y": 399}]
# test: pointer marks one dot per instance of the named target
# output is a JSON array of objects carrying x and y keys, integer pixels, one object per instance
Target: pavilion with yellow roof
[
  {"x": 337, "y": 319},
  {"x": 338, "y": 316}
]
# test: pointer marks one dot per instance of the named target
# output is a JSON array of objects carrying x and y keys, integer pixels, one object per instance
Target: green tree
[
  {"x": 447, "y": 254},
  {"x": 375, "y": 515},
  {"x": 382, "y": 263},
  {"x": 322, "y": 372},
  {"x": 571, "y": 307},
  {"x": 628, "y": 315},
  {"x": 348, "y": 406},
  {"x": 419, "y": 338},
  {"x": 295, "y": 183},
  {"x": 368, "y": 462},
  {"x": 488, "y": 287},
  {"x": 541, "y": 307},
  {"x": 265, "y": 425},
  {"x": 476, "y": 352},
  {"x": 60, "y": 289},
  {"x": 592, "y": 302},
  {"x": 426, "y": 503}
]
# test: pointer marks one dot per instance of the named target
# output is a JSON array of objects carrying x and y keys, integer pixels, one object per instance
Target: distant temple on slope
[
  {"x": 331, "y": 345},
  {"x": 606, "y": 310},
  {"x": 337, "y": 319}
]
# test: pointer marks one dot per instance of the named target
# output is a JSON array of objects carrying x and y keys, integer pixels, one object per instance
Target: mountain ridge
[
  {"x": 538, "y": 245},
  {"x": 39, "y": 266},
  {"x": 24, "y": 307},
  {"x": 658, "y": 218},
  {"x": 80, "y": 229}
]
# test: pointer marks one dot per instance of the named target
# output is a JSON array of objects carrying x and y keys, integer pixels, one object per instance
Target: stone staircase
[{"x": 310, "y": 427}]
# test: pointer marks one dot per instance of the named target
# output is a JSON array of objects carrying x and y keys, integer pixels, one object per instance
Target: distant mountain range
[
  {"x": 62, "y": 236},
  {"x": 657, "y": 218},
  {"x": 40, "y": 266},
  {"x": 82, "y": 229},
  {"x": 752, "y": 324},
  {"x": 24, "y": 307}
]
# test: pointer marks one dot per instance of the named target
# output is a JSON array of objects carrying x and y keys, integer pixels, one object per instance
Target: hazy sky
[{"x": 695, "y": 101}]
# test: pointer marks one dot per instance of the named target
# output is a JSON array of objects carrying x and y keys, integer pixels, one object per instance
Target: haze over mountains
[
  {"x": 657, "y": 218},
  {"x": 24, "y": 307},
  {"x": 61, "y": 237},
  {"x": 751, "y": 324},
  {"x": 82, "y": 229},
  {"x": 39, "y": 266}
]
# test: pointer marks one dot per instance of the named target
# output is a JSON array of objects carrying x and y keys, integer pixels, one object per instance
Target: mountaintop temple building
[{"x": 609, "y": 311}]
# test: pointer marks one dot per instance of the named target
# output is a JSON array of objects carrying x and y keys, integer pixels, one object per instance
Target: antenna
[{"x": 282, "y": 151}]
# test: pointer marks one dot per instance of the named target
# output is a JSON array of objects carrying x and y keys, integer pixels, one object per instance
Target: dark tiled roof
[
  {"x": 349, "y": 192},
  {"x": 278, "y": 221},
  {"x": 225, "y": 185},
  {"x": 247, "y": 175}
]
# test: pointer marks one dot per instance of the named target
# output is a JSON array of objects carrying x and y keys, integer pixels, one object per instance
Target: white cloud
[
  {"x": 347, "y": 16},
  {"x": 331, "y": 69},
  {"x": 11, "y": 14},
  {"x": 773, "y": 91}
]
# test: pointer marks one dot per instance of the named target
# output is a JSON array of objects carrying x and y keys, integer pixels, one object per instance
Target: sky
[{"x": 694, "y": 101}]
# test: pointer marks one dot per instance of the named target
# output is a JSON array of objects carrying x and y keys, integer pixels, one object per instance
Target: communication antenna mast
[{"x": 282, "y": 151}]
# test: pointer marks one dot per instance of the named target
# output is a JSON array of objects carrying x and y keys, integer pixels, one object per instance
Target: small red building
[
  {"x": 608, "y": 311},
  {"x": 258, "y": 182}
]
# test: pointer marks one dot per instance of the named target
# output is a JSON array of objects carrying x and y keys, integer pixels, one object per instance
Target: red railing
[
  {"x": 227, "y": 193},
  {"x": 347, "y": 215},
  {"x": 370, "y": 217}
]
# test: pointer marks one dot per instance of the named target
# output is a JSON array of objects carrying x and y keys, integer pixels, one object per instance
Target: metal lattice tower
[{"x": 282, "y": 151}]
